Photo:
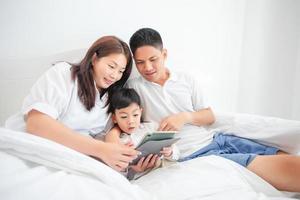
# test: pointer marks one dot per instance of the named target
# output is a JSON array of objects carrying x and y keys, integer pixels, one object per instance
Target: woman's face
[{"x": 108, "y": 70}]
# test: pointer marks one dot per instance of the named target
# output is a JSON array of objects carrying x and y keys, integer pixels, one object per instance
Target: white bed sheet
[
  {"x": 35, "y": 168},
  {"x": 209, "y": 177}
]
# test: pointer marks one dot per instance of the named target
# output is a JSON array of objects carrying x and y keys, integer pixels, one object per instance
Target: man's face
[{"x": 150, "y": 63}]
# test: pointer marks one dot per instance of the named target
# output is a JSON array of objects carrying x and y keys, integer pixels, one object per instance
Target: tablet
[
  {"x": 154, "y": 142},
  {"x": 157, "y": 135}
]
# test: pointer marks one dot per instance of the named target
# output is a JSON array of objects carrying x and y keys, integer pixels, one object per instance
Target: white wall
[
  {"x": 269, "y": 59},
  {"x": 231, "y": 46},
  {"x": 296, "y": 94}
]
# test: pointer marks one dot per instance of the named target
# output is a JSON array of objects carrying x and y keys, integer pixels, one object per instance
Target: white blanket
[
  {"x": 35, "y": 168},
  {"x": 281, "y": 133}
]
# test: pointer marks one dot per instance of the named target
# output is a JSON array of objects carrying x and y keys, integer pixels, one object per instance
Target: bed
[{"x": 35, "y": 168}]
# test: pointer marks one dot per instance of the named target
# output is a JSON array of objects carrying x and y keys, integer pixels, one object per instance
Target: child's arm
[{"x": 113, "y": 136}]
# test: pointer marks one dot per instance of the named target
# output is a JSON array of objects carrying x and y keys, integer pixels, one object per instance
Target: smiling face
[
  {"x": 150, "y": 63},
  {"x": 108, "y": 70},
  {"x": 128, "y": 118}
]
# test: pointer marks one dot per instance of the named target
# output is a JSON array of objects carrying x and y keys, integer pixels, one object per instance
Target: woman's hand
[
  {"x": 146, "y": 163},
  {"x": 117, "y": 156}
]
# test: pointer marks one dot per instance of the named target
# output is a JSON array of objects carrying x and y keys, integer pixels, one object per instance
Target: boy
[
  {"x": 126, "y": 111},
  {"x": 175, "y": 101}
]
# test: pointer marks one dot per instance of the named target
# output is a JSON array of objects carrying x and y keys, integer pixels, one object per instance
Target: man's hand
[{"x": 174, "y": 122}]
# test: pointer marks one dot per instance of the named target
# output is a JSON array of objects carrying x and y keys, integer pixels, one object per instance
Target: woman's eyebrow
[{"x": 117, "y": 65}]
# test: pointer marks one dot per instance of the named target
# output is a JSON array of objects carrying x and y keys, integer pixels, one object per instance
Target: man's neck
[{"x": 165, "y": 76}]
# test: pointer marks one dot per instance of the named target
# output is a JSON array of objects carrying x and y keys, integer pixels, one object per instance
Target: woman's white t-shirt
[{"x": 56, "y": 94}]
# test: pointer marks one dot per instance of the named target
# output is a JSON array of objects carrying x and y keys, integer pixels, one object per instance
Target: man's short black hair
[{"x": 144, "y": 37}]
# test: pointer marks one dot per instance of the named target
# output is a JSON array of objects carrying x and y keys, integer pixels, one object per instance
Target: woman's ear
[{"x": 94, "y": 59}]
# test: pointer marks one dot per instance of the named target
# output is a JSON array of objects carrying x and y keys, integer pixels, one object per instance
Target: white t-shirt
[
  {"x": 180, "y": 93},
  {"x": 138, "y": 135},
  {"x": 56, "y": 94}
]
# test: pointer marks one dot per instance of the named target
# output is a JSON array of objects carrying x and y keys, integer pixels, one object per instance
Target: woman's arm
[{"x": 115, "y": 155}]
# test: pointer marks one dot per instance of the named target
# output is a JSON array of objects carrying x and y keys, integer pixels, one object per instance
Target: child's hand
[
  {"x": 167, "y": 151},
  {"x": 145, "y": 163}
]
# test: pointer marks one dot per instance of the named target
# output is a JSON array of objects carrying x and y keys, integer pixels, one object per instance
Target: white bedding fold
[{"x": 55, "y": 156}]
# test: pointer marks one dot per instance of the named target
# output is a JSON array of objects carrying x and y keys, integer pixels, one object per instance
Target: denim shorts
[{"x": 237, "y": 149}]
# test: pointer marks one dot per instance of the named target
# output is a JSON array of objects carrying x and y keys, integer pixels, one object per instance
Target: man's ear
[{"x": 164, "y": 53}]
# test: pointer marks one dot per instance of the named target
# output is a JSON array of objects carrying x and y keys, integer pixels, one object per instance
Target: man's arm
[{"x": 199, "y": 118}]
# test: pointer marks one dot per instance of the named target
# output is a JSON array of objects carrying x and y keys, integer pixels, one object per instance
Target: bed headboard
[{"x": 18, "y": 75}]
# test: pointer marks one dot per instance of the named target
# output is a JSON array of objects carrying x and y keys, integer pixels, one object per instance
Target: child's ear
[{"x": 113, "y": 117}]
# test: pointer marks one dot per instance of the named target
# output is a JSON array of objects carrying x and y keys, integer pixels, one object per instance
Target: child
[{"x": 125, "y": 107}]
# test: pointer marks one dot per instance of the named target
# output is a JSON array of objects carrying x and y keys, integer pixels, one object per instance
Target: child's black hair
[
  {"x": 122, "y": 98},
  {"x": 144, "y": 37}
]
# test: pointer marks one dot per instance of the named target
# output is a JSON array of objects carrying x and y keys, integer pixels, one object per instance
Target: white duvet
[{"x": 35, "y": 168}]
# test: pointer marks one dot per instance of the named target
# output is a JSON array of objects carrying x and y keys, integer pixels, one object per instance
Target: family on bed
[{"x": 72, "y": 102}]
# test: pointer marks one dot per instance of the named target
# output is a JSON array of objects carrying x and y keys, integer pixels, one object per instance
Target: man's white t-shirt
[
  {"x": 56, "y": 94},
  {"x": 180, "y": 93}
]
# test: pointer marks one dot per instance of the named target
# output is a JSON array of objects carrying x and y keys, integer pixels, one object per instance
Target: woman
[{"x": 69, "y": 102}]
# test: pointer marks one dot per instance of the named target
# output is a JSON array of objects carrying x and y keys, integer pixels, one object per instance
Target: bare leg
[{"x": 281, "y": 170}]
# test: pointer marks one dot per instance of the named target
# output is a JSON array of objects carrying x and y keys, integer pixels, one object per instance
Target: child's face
[
  {"x": 129, "y": 118},
  {"x": 150, "y": 63}
]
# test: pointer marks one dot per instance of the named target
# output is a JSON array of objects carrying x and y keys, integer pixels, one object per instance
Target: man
[{"x": 175, "y": 101}]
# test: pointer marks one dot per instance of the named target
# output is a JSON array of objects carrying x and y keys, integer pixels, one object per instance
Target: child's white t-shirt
[{"x": 137, "y": 136}]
